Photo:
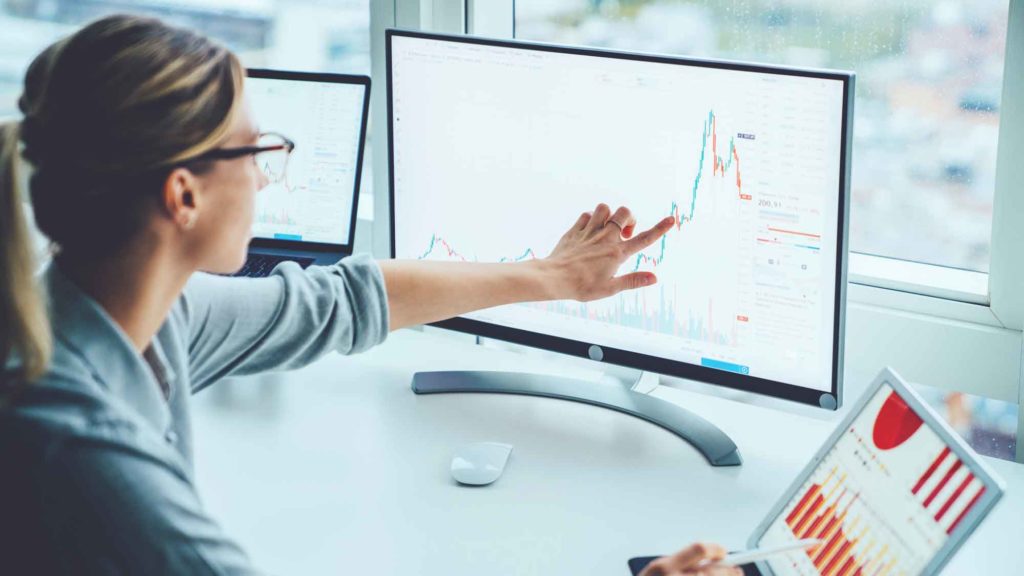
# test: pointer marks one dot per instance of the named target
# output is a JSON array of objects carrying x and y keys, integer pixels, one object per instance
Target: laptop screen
[
  {"x": 884, "y": 499},
  {"x": 316, "y": 200}
]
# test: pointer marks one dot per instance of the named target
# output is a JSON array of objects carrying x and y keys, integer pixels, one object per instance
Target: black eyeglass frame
[{"x": 232, "y": 153}]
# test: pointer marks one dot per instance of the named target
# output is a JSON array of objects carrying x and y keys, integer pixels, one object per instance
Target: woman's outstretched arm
[
  {"x": 581, "y": 267},
  {"x": 241, "y": 326}
]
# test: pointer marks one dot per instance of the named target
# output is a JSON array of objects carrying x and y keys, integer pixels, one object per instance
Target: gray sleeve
[
  {"x": 242, "y": 326},
  {"x": 123, "y": 511}
]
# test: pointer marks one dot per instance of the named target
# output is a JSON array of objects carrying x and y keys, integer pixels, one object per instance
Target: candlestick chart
[{"x": 659, "y": 310}]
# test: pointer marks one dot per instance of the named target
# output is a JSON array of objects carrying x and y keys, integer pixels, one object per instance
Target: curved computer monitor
[{"x": 497, "y": 146}]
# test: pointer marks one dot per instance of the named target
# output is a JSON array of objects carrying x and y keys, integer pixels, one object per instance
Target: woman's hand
[
  {"x": 589, "y": 254},
  {"x": 695, "y": 560}
]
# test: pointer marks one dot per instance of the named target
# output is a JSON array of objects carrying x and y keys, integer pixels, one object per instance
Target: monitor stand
[{"x": 631, "y": 398}]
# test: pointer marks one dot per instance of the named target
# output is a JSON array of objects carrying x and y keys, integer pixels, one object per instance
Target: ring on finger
[{"x": 613, "y": 221}]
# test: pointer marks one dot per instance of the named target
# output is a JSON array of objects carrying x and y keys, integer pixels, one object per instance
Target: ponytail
[{"x": 24, "y": 326}]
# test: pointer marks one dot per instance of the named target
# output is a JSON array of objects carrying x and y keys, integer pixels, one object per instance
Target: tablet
[{"x": 894, "y": 490}]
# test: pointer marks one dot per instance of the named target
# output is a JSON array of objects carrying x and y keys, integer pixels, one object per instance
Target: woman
[{"x": 141, "y": 148}]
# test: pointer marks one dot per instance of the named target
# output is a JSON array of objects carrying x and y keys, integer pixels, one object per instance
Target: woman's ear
[{"x": 181, "y": 197}]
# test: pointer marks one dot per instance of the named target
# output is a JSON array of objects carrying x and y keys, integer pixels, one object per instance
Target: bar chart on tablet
[{"x": 883, "y": 500}]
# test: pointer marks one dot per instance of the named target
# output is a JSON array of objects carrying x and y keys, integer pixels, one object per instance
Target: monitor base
[{"x": 708, "y": 439}]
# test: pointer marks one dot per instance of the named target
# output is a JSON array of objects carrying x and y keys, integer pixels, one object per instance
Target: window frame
[{"x": 953, "y": 329}]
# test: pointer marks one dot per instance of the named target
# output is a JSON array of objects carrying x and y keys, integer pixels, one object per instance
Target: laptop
[
  {"x": 894, "y": 490},
  {"x": 310, "y": 216}
]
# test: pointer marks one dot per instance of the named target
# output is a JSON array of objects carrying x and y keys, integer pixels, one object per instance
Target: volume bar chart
[{"x": 664, "y": 316}]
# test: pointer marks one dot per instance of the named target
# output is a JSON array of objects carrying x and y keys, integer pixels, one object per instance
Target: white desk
[{"x": 340, "y": 468}]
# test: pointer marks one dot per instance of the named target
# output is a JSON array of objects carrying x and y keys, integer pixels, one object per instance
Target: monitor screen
[
  {"x": 497, "y": 147},
  {"x": 885, "y": 499},
  {"x": 315, "y": 201}
]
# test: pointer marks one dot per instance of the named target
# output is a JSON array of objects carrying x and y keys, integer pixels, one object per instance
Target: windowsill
[{"x": 917, "y": 278}]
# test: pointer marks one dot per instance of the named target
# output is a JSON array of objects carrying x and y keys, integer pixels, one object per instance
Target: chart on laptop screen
[
  {"x": 885, "y": 498},
  {"x": 497, "y": 150},
  {"x": 314, "y": 202}
]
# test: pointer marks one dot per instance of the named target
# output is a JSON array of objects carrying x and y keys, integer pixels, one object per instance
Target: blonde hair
[{"x": 107, "y": 113}]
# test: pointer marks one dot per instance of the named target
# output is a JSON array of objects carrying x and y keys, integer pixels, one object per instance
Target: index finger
[{"x": 649, "y": 236}]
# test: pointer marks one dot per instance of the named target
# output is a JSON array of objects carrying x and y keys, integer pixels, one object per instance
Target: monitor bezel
[
  {"x": 830, "y": 399},
  {"x": 325, "y": 78},
  {"x": 994, "y": 487}
]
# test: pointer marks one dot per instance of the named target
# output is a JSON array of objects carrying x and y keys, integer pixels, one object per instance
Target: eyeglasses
[{"x": 270, "y": 154}]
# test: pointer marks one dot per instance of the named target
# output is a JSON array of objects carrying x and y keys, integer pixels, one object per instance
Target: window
[
  {"x": 333, "y": 35},
  {"x": 334, "y": 38},
  {"x": 928, "y": 96},
  {"x": 989, "y": 426}
]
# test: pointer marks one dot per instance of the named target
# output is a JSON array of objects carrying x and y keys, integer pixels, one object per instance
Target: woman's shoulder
[
  {"x": 66, "y": 410},
  {"x": 68, "y": 455}
]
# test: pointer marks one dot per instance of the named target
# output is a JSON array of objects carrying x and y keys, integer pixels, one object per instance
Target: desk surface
[{"x": 340, "y": 468}]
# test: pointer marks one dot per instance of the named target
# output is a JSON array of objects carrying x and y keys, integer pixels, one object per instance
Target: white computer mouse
[{"x": 480, "y": 463}]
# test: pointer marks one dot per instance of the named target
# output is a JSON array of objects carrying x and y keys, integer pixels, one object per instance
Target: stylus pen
[{"x": 748, "y": 556}]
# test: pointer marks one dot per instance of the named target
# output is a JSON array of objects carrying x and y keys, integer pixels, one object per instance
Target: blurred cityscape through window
[
  {"x": 314, "y": 35},
  {"x": 929, "y": 81},
  {"x": 989, "y": 426}
]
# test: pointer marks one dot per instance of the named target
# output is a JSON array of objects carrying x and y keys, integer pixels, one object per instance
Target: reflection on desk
[{"x": 340, "y": 468}]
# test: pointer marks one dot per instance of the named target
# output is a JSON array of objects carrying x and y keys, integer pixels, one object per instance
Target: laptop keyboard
[{"x": 260, "y": 265}]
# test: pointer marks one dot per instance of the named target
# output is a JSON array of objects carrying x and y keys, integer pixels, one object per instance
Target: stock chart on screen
[
  {"x": 314, "y": 201},
  {"x": 498, "y": 149},
  {"x": 883, "y": 500}
]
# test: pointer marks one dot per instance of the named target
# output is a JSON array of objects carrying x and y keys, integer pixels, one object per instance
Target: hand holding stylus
[
  {"x": 695, "y": 560},
  {"x": 716, "y": 558}
]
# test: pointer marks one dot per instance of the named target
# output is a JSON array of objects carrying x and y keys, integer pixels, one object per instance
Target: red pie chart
[{"x": 895, "y": 424}]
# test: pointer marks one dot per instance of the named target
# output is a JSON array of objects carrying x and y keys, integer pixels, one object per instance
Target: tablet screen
[{"x": 884, "y": 499}]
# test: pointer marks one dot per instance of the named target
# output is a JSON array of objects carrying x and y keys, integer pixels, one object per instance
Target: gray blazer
[{"x": 96, "y": 457}]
